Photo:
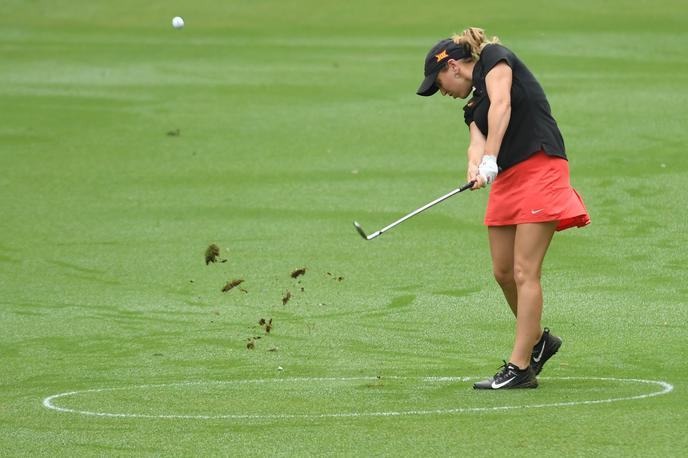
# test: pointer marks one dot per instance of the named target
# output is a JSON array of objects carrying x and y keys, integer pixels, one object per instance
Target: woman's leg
[
  {"x": 502, "y": 251},
  {"x": 530, "y": 246}
]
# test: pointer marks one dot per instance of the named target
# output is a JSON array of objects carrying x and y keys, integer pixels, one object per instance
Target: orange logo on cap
[{"x": 441, "y": 55}]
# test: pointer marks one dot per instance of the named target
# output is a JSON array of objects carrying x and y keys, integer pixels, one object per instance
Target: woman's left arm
[{"x": 498, "y": 82}]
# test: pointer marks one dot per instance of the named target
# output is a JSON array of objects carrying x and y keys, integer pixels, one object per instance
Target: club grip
[{"x": 467, "y": 186}]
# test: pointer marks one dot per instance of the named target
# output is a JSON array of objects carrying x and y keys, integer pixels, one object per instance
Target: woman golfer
[{"x": 515, "y": 145}]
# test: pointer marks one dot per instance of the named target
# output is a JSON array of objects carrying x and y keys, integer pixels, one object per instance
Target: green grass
[{"x": 296, "y": 118}]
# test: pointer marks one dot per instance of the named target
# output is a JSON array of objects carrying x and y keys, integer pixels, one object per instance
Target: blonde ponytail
[{"x": 474, "y": 38}]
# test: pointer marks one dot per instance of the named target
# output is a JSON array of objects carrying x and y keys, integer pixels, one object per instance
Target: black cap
[{"x": 436, "y": 60}]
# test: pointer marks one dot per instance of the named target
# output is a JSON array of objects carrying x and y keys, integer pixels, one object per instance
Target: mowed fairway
[{"x": 267, "y": 127}]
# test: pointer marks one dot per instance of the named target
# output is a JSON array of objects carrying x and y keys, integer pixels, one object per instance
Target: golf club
[{"x": 413, "y": 213}]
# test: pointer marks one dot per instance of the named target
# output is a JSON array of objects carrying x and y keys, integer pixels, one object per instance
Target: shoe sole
[
  {"x": 518, "y": 387},
  {"x": 531, "y": 384}
]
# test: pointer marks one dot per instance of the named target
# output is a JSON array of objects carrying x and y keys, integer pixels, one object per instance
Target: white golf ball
[
  {"x": 280, "y": 368},
  {"x": 177, "y": 22}
]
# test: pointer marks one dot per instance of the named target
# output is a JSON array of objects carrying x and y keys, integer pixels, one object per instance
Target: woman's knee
[
  {"x": 504, "y": 276},
  {"x": 524, "y": 273}
]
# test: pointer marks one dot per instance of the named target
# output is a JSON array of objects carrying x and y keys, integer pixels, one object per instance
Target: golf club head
[{"x": 360, "y": 230}]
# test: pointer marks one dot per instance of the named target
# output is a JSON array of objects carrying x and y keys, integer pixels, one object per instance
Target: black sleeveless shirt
[{"x": 531, "y": 126}]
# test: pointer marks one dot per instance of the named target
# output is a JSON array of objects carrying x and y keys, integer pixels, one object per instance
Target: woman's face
[{"x": 456, "y": 80}]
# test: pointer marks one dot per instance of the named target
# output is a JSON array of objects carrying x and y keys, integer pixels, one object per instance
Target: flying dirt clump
[
  {"x": 211, "y": 254},
  {"x": 334, "y": 277},
  {"x": 231, "y": 284},
  {"x": 251, "y": 342},
  {"x": 267, "y": 325},
  {"x": 286, "y": 298},
  {"x": 295, "y": 274},
  {"x": 298, "y": 272}
]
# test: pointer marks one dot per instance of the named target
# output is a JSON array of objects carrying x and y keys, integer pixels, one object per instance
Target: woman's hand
[
  {"x": 483, "y": 174},
  {"x": 476, "y": 151},
  {"x": 473, "y": 175},
  {"x": 479, "y": 183}
]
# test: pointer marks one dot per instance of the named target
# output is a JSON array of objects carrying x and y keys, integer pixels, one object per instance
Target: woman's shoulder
[{"x": 494, "y": 53}]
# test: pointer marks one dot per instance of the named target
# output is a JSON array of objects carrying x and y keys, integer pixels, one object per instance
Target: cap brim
[{"x": 429, "y": 86}]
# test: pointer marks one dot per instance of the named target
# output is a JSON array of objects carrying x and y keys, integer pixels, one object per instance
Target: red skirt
[{"x": 536, "y": 190}]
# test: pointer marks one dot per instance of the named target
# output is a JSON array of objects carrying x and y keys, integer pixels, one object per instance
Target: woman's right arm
[{"x": 476, "y": 150}]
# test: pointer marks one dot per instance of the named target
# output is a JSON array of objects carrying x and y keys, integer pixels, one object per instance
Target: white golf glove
[{"x": 488, "y": 168}]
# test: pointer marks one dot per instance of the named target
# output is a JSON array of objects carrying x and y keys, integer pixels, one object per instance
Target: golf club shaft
[{"x": 424, "y": 207}]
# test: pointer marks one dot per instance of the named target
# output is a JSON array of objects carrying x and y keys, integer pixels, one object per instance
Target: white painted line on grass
[{"x": 49, "y": 401}]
